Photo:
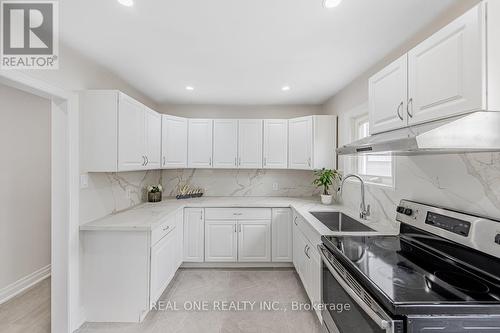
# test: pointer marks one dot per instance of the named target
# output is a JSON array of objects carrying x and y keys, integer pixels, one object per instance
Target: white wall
[
  {"x": 468, "y": 182},
  {"x": 234, "y": 111},
  {"x": 25, "y": 177}
]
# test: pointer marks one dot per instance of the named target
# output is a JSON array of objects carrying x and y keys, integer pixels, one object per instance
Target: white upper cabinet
[
  {"x": 453, "y": 72},
  {"x": 275, "y": 144},
  {"x": 300, "y": 143},
  {"x": 250, "y": 143},
  {"x": 446, "y": 70},
  {"x": 200, "y": 143},
  {"x": 174, "y": 142},
  {"x": 118, "y": 133},
  {"x": 131, "y": 135},
  {"x": 153, "y": 139},
  {"x": 312, "y": 142},
  {"x": 225, "y": 154},
  {"x": 388, "y": 97}
]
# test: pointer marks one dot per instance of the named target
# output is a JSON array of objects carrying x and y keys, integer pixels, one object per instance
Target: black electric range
[{"x": 443, "y": 266}]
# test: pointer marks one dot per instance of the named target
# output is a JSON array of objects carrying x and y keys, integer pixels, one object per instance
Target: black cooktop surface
[{"x": 409, "y": 278}]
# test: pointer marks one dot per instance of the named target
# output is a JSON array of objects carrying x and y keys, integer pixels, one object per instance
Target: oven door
[{"x": 348, "y": 307}]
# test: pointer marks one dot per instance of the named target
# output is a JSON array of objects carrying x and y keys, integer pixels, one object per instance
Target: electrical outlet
[
  {"x": 84, "y": 180},
  {"x": 276, "y": 186}
]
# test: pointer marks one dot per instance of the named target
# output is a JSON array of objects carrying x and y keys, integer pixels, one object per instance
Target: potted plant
[
  {"x": 325, "y": 178},
  {"x": 154, "y": 193}
]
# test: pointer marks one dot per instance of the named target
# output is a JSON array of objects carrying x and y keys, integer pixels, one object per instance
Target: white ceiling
[{"x": 241, "y": 51}]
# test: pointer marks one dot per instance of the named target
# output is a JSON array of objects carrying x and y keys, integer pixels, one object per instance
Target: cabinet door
[
  {"x": 179, "y": 227},
  {"x": 250, "y": 143},
  {"x": 315, "y": 275},
  {"x": 282, "y": 235},
  {"x": 162, "y": 265},
  {"x": 225, "y": 143},
  {"x": 388, "y": 97},
  {"x": 254, "y": 241},
  {"x": 131, "y": 135},
  {"x": 446, "y": 70},
  {"x": 296, "y": 244},
  {"x": 300, "y": 143},
  {"x": 221, "y": 241},
  {"x": 200, "y": 143},
  {"x": 174, "y": 142},
  {"x": 275, "y": 144},
  {"x": 153, "y": 139},
  {"x": 194, "y": 235}
]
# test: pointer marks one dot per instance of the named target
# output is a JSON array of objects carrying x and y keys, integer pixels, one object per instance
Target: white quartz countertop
[{"x": 148, "y": 216}]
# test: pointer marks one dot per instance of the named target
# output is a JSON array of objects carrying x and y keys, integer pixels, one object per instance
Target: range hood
[{"x": 475, "y": 132}]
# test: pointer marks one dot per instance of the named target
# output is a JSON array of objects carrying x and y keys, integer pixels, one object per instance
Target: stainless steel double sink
[{"x": 337, "y": 221}]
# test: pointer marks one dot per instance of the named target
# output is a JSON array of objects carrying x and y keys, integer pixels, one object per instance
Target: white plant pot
[{"x": 326, "y": 199}]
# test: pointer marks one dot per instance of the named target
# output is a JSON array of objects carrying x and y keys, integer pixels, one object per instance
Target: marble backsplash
[
  {"x": 109, "y": 193},
  {"x": 242, "y": 182},
  {"x": 465, "y": 182}
]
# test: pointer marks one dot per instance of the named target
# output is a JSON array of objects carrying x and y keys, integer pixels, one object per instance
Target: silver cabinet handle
[
  {"x": 143, "y": 160},
  {"x": 239, "y": 227},
  {"x": 237, "y": 214},
  {"x": 166, "y": 228},
  {"x": 239, "y": 161},
  {"x": 265, "y": 161},
  {"x": 410, "y": 102},
  {"x": 147, "y": 160},
  {"x": 164, "y": 160},
  {"x": 295, "y": 220},
  {"x": 210, "y": 161},
  {"x": 309, "y": 161},
  {"x": 235, "y": 228},
  {"x": 306, "y": 249},
  {"x": 236, "y": 161},
  {"x": 400, "y": 107}
]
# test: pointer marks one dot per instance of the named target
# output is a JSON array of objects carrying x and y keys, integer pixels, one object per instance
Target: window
[{"x": 377, "y": 169}]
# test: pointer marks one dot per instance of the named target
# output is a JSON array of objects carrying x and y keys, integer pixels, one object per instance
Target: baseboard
[
  {"x": 24, "y": 283},
  {"x": 236, "y": 265}
]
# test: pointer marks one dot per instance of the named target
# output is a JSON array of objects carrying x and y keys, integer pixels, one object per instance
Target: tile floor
[
  {"x": 28, "y": 312},
  {"x": 216, "y": 286}
]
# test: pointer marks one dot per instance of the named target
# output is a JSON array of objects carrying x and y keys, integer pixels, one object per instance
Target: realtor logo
[{"x": 29, "y": 36}]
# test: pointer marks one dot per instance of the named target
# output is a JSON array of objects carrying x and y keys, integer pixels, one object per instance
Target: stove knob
[
  {"x": 408, "y": 211},
  {"x": 400, "y": 209}
]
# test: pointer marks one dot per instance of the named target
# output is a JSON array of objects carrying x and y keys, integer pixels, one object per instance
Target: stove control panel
[
  {"x": 456, "y": 226},
  {"x": 477, "y": 232}
]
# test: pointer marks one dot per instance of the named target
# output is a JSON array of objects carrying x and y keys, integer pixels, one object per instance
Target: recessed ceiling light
[
  {"x": 285, "y": 88},
  {"x": 128, "y": 3},
  {"x": 189, "y": 88},
  {"x": 331, "y": 3}
]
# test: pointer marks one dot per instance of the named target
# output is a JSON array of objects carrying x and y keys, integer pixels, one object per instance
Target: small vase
[
  {"x": 326, "y": 199},
  {"x": 154, "y": 197}
]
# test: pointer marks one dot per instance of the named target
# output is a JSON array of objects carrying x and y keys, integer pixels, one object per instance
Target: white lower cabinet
[
  {"x": 282, "y": 235},
  {"x": 254, "y": 241},
  {"x": 221, "y": 241},
  {"x": 307, "y": 262},
  {"x": 194, "y": 235},
  {"x": 238, "y": 235},
  {"x": 163, "y": 264}
]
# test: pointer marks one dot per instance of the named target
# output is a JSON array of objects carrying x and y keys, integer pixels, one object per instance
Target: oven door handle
[{"x": 380, "y": 321}]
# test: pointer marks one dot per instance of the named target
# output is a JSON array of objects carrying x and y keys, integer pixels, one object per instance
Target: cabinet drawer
[
  {"x": 162, "y": 230},
  {"x": 238, "y": 213}
]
